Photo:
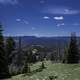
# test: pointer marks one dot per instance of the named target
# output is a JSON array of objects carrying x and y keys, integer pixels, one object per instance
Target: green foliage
[
  {"x": 31, "y": 57},
  {"x": 26, "y": 68},
  {"x": 64, "y": 60},
  {"x": 73, "y": 53},
  {"x": 42, "y": 65},
  {"x": 28, "y": 60},
  {"x": 53, "y": 77},
  {"x": 3, "y": 59},
  {"x": 10, "y": 46},
  {"x": 52, "y": 57}
]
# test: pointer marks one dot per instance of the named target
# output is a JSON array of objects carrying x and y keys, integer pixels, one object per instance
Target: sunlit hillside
[{"x": 58, "y": 71}]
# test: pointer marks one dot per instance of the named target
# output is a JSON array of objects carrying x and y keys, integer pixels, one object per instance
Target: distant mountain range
[{"x": 49, "y": 42}]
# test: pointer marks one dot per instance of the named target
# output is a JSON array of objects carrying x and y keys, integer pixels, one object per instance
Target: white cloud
[
  {"x": 18, "y": 20},
  {"x": 59, "y": 18},
  {"x": 46, "y": 17},
  {"x": 60, "y": 10},
  {"x": 71, "y": 24},
  {"x": 60, "y": 24},
  {"x": 22, "y": 21},
  {"x": 9, "y": 2}
]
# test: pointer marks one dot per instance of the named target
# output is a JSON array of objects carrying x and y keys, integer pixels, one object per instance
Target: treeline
[
  {"x": 17, "y": 61},
  {"x": 71, "y": 53}
]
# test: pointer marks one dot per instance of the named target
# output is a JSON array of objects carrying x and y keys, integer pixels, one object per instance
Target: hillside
[{"x": 61, "y": 71}]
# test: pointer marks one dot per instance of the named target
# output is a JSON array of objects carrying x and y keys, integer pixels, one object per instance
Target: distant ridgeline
[{"x": 49, "y": 42}]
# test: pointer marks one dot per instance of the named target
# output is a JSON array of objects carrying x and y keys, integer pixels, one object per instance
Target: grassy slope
[{"x": 63, "y": 71}]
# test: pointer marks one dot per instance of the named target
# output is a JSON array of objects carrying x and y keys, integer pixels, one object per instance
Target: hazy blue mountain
[
  {"x": 45, "y": 41},
  {"x": 49, "y": 42}
]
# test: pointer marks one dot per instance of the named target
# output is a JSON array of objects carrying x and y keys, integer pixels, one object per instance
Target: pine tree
[
  {"x": 26, "y": 68},
  {"x": 19, "y": 57},
  {"x": 42, "y": 65},
  {"x": 30, "y": 56},
  {"x": 10, "y": 46},
  {"x": 4, "y": 72},
  {"x": 52, "y": 57},
  {"x": 65, "y": 55},
  {"x": 28, "y": 60},
  {"x": 73, "y": 53}
]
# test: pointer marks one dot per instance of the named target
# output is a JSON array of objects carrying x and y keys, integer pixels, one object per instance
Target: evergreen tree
[
  {"x": 42, "y": 65},
  {"x": 52, "y": 57},
  {"x": 73, "y": 53},
  {"x": 30, "y": 56},
  {"x": 26, "y": 68},
  {"x": 10, "y": 46},
  {"x": 28, "y": 60},
  {"x": 20, "y": 52},
  {"x": 4, "y": 72},
  {"x": 34, "y": 58},
  {"x": 64, "y": 60}
]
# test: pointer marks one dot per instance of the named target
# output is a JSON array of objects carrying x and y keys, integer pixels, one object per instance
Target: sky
[{"x": 40, "y": 17}]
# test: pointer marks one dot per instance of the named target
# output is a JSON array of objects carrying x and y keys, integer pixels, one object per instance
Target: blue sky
[{"x": 40, "y": 17}]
